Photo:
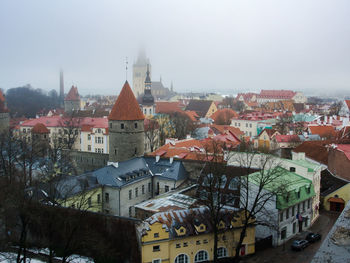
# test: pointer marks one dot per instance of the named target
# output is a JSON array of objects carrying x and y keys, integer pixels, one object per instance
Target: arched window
[
  {"x": 223, "y": 181},
  {"x": 222, "y": 252},
  {"x": 182, "y": 258},
  {"x": 201, "y": 256},
  {"x": 234, "y": 184}
]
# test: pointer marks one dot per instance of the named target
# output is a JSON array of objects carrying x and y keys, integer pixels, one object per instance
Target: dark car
[
  {"x": 313, "y": 237},
  {"x": 300, "y": 244}
]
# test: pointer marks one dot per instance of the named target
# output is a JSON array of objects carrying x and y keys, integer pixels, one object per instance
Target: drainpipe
[{"x": 119, "y": 202}]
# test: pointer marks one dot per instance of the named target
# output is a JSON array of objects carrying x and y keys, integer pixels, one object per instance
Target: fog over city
[{"x": 213, "y": 46}]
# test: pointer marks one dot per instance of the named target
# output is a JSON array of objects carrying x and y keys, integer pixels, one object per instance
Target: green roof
[
  {"x": 286, "y": 184},
  {"x": 312, "y": 167}
]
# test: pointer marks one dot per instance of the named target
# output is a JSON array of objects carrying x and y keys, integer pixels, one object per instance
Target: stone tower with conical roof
[
  {"x": 4, "y": 115},
  {"x": 126, "y": 127},
  {"x": 72, "y": 100}
]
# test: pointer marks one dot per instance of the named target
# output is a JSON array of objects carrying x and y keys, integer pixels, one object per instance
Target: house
[
  {"x": 117, "y": 187},
  {"x": 204, "y": 108},
  {"x": 287, "y": 141},
  {"x": 265, "y": 139},
  {"x": 289, "y": 211},
  {"x": 253, "y": 123},
  {"x": 324, "y": 131},
  {"x": 335, "y": 192},
  {"x": 185, "y": 236},
  {"x": 345, "y": 108},
  {"x": 72, "y": 100},
  {"x": 277, "y": 95}
]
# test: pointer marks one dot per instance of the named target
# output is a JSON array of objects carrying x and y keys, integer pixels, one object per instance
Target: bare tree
[{"x": 152, "y": 133}]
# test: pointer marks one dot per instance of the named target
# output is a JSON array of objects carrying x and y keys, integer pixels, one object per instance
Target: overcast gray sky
[{"x": 200, "y": 45}]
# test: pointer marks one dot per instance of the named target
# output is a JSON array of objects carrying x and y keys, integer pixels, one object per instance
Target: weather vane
[{"x": 126, "y": 68}]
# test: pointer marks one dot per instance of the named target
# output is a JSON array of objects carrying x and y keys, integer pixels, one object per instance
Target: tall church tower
[
  {"x": 139, "y": 73},
  {"x": 147, "y": 104},
  {"x": 4, "y": 115},
  {"x": 61, "y": 88},
  {"x": 126, "y": 127}
]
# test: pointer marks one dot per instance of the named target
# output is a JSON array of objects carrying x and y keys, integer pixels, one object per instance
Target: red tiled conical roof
[
  {"x": 40, "y": 128},
  {"x": 72, "y": 94},
  {"x": 126, "y": 108}
]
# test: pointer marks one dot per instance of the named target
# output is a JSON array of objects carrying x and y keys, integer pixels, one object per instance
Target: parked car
[
  {"x": 313, "y": 237},
  {"x": 300, "y": 244}
]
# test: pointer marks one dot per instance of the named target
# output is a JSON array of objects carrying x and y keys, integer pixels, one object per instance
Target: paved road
[{"x": 284, "y": 254}]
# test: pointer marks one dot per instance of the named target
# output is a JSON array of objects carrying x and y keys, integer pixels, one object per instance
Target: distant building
[
  {"x": 204, "y": 108},
  {"x": 61, "y": 88},
  {"x": 72, "y": 100},
  {"x": 140, "y": 68},
  {"x": 277, "y": 95}
]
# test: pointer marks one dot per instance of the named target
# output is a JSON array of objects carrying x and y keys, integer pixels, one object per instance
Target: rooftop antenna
[{"x": 126, "y": 68}]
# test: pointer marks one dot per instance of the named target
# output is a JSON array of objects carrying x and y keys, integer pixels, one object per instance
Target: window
[
  {"x": 135, "y": 125},
  {"x": 298, "y": 208},
  {"x": 98, "y": 130},
  {"x": 122, "y": 126},
  {"x": 149, "y": 187},
  {"x": 136, "y": 192},
  {"x": 308, "y": 190},
  {"x": 130, "y": 194},
  {"x": 110, "y": 125},
  {"x": 292, "y": 169},
  {"x": 303, "y": 206},
  {"x": 89, "y": 201},
  {"x": 246, "y": 125},
  {"x": 294, "y": 227},
  {"x": 293, "y": 210},
  {"x": 250, "y": 125},
  {"x": 130, "y": 211},
  {"x": 284, "y": 233},
  {"x": 298, "y": 194},
  {"x": 89, "y": 148},
  {"x": 166, "y": 188},
  {"x": 281, "y": 216},
  {"x": 107, "y": 198},
  {"x": 308, "y": 204},
  {"x": 198, "y": 242},
  {"x": 98, "y": 198},
  {"x": 143, "y": 189},
  {"x": 201, "y": 256},
  {"x": 287, "y": 213},
  {"x": 182, "y": 258},
  {"x": 178, "y": 245},
  {"x": 185, "y": 243},
  {"x": 156, "y": 235},
  {"x": 205, "y": 241},
  {"x": 145, "y": 111},
  {"x": 156, "y": 248},
  {"x": 234, "y": 184},
  {"x": 222, "y": 252}
]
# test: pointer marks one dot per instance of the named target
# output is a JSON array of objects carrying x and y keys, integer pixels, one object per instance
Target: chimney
[
  {"x": 171, "y": 160},
  {"x": 157, "y": 158}
]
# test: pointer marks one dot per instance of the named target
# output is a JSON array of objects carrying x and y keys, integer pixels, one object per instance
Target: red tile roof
[
  {"x": 316, "y": 150},
  {"x": 323, "y": 131},
  {"x": 225, "y": 128},
  {"x": 73, "y": 94},
  {"x": 287, "y": 138},
  {"x": 348, "y": 103},
  {"x": 40, "y": 128},
  {"x": 345, "y": 148},
  {"x": 192, "y": 115},
  {"x": 277, "y": 94},
  {"x": 126, "y": 108},
  {"x": 270, "y": 132},
  {"x": 168, "y": 107}
]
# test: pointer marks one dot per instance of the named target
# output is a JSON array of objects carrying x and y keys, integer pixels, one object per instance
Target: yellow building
[
  {"x": 185, "y": 236},
  {"x": 265, "y": 139},
  {"x": 336, "y": 200}
]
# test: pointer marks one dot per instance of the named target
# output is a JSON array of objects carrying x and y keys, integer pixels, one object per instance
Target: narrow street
[{"x": 284, "y": 253}]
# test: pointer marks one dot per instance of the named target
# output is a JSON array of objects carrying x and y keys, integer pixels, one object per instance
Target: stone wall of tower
[
  {"x": 138, "y": 78},
  {"x": 70, "y": 105},
  {"x": 126, "y": 140},
  {"x": 4, "y": 122}
]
